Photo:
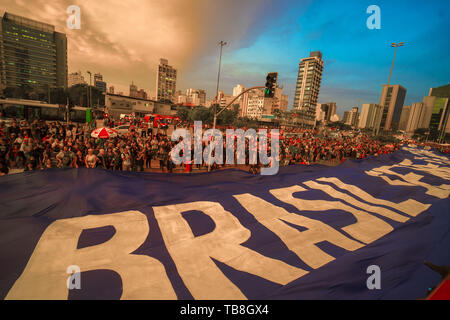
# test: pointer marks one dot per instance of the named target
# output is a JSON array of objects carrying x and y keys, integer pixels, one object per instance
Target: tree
[
  {"x": 183, "y": 113},
  {"x": 206, "y": 115}
]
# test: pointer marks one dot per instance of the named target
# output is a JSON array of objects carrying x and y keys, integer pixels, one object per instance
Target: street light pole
[
  {"x": 394, "y": 45},
  {"x": 90, "y": 93},
  {"x": 221, "y": 43}
]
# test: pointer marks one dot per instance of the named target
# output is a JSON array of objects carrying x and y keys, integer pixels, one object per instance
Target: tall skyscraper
[
  {"x": 418, "y": 118},
  {"x": 324, "y": 111},
  {"x": 133, "y": 90},
  {"x": 351, "y": 117},
  {"x": 238, "y": 90},
  {"x": 439, "y": 99},
  {"x": 308, "y": 87},
  {"x": 32, "y": 54},
  {"x": 370, "y": 115},
  {"x": 166, "y": 81},
  {"x": 404, "y": 118},
  {"x": 392, "y": 99}
]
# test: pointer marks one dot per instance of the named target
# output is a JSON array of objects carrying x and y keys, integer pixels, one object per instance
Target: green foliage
[
  {"x": 206, "y": 115},
  {"x": 183, "y": 113}
]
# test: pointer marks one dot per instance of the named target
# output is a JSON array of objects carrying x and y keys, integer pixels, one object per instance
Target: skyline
[{"x": 357, "y": 60}]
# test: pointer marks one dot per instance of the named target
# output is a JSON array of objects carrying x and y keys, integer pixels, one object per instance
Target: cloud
[{"x": 124, "y": 40}]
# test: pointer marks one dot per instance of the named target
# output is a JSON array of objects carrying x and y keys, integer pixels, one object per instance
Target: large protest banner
[{"x": 309, "y": 232}]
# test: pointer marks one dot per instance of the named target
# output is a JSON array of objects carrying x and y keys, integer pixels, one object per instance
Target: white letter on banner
[
  {"x": 367, "y": 228},
  {"x": 45, "y": 276},
  {"x": 433, "y": 169},
  {"x": 302, "y": 243},
  {"x": 410, "y": 179},
  {"x": 411, "y": 207},
  {"x": 192, "y": 255}
]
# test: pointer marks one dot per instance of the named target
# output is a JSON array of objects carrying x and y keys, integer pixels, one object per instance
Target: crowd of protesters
[{"x": 39, "y": 145}]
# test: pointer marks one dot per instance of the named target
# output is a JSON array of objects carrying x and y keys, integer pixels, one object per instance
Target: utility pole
[
  {"x": 394, "y": 45},
  {"x": 221, "y": 43},
  {"x": 90, "y": 92}
]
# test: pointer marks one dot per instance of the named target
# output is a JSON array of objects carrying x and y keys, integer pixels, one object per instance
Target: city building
[
  {"x": 335, "y": 118},
  {"x": 370, "y": 115},
  {"x": 284, "y": 102},
  {"x": 392, "y": 99},
  {"x": 142, "y": 94},
  {"x": 324, "y": 111},
  {"x": 99, "y": 83},
  {"x": 351, "y": 117},
  {"x": 431, "y": 113},
  {"x": 224, "y": 99},
  {"x": 418, "y": 118},
  {"x": 242, "y": 101},
  {"x": 238, "y": 90},
  {"x": 308, "y": 87},
  {"x": 32, "y": 54},
  {"x": 320, "y": 113},
  {"x": 404, "y": 118},
  {"x": 166, "y": 81},
  {"x": 196, "y": 97},
  {"x": 116, "y": 104},
  {"x": 255, "y": 107},
  {"x": 75, "y": 78},
  {"x": 133, "y": 90},
  {"x": 440, "y": 109}
]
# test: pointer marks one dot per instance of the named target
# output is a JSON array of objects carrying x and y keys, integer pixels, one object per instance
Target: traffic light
[{"x": 271, "y": 84}]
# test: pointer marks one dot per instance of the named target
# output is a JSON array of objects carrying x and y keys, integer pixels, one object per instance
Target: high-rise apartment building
[
  {"x": 324, "y": 111},
  {"x": 238, "y": 90},
  {"x": 370, "y": 115},
  {"x": 404, "y": 118},
  {"x": 166, "y": 81},
  {"x": 418, "y": 117},
  {"x": 196, "y": 97},
  {"x": 392, "y": 99},
  {"x": 351, "y": 117},
  {"x": 75, "y": 78},
  {"x": 32, "y": 54},
  {"x": 308, "y": 87}
]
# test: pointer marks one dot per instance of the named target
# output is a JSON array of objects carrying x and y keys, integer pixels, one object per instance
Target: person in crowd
[
  {"x": 65, "y": 158},
  {"x": 44, "y": 145},
  {"x": 91, "y": 159}
]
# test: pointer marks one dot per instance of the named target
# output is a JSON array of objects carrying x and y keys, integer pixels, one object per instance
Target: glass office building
[{"x": 31, "y": 54}]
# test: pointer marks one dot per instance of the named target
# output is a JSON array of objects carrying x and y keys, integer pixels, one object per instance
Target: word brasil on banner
[{"x": 145, "y": 277}]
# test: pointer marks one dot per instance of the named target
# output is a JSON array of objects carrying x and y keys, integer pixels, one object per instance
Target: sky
[{"x": 124, "y": 40}]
